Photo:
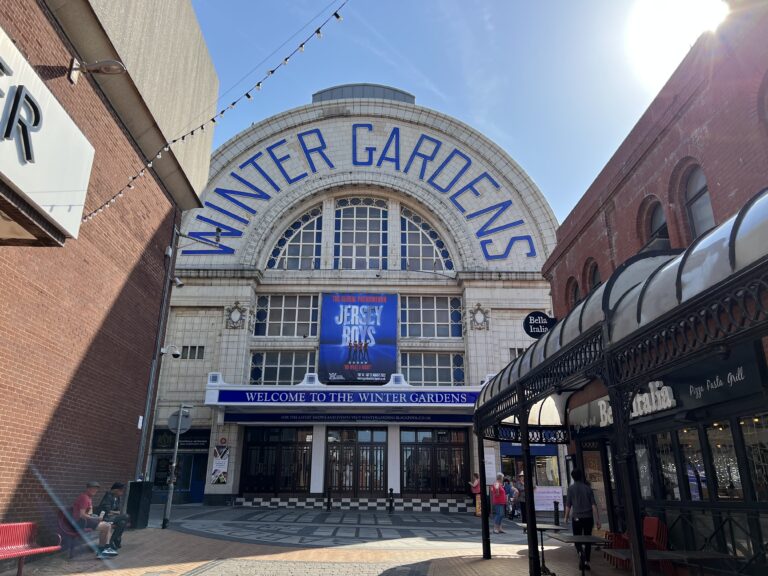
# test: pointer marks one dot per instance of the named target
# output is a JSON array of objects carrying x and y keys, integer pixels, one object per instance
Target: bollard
[
  {"x": 557, "y": 513},
  {"x": 328, "y": 502},
  {"x": 391, "y": 500}
]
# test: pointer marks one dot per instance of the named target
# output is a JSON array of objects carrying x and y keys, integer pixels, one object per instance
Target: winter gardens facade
[{"x": 360, "y": 265}]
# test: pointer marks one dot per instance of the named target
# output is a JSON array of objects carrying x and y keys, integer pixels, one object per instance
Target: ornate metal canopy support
[
  {"x": 484, "y": 511},
  {"x": 621, "y": 397},
  {"x": 534, "y": 568}
]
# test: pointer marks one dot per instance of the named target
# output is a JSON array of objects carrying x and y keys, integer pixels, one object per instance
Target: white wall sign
[
  {"x": 43, "y": 154},
  {"x": 490, "y": 468},
  {"x": 544, "y": 497}
]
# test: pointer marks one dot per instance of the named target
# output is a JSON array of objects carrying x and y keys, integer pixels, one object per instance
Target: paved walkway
[{"x": 206, "y": 541}]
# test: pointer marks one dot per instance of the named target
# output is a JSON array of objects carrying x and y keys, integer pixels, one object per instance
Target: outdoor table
[
  {"x": 541, "y": 529},
  {"x": 687, "y": 557},
  {"x": 581, "y": 539}
]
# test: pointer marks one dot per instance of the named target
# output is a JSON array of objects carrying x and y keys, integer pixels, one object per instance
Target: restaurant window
[
  {"x": 727, "y": 476},
  {"x": 430, "y": 317},
  {"x": 300, "y": 245},
  {"x": 693, "y": 464},
  {"x": 572, "y": 292},
  {"x": 644, "y": 477},
  {"x": 698, "y": 204},
  {"x": 666, "y": 459},
  {"x": 755, "y": 432},
  {"x": 281, "y": 367},
  {"x": 432, "y": 369},
  {"x": 434, "y": 461}
]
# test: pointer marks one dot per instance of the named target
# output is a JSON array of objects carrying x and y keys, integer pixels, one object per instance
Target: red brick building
[
  {"x": 80, "y": 301},
  {"x": 694, "y": 158}
]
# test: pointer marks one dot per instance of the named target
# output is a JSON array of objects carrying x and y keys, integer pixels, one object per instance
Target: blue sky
[{"x": 553, "y": 82}]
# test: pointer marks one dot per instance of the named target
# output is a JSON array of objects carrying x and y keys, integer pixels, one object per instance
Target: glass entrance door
[
  {"x": 596, "y": 476},
  {"x": 357, "y": 461}
]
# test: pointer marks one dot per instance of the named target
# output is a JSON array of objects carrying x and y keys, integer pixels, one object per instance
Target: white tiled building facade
[{"x": 368, "y": 197}]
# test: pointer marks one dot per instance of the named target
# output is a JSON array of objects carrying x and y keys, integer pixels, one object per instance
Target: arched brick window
[
  {"x": 698, "y": 206},
  {"x": 572, "y": 293},
  {"x": 592, "y": 276}
]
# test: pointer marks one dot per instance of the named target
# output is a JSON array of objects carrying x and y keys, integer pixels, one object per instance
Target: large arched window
[
  {"x": 421, "y": 248},
  {"x": 697, "y": 204},
  {"x": 300, "y": 245},
  {"x": 360, "y": 234}
]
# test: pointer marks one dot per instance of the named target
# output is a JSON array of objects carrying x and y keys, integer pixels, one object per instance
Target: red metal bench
[{"x": 19, "y": 540}]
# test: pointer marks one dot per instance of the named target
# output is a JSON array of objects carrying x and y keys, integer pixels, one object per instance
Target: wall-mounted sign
[
  {"x": 598, "y": 414},
  {"x": 358, "y": 338},
  {"x": 297, "y": 397},
  {"x": 717, "y": 380},
  {"x": 352, "y": 418},
  {"x": 44, "y": 156},
  {"x": 461, "y": 179},
  {"x": 536, "y": 324},
  {"x": 220, "y": 464},
  {"x": 195, "y": 439}
]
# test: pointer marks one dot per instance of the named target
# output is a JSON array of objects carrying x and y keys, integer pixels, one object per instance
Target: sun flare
[{"x": 660, "y": 33}]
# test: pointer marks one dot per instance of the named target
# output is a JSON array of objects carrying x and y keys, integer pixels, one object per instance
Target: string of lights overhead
[{"x": 247, "y": 95}]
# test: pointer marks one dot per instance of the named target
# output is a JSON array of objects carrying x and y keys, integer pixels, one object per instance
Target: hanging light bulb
[
  {"x": 270, "y": 72},
  {"x": 149, "y": 164},
  {"x": 338, "y": 16},
  {"x": 159, "y": 155},
  {"x": 301, "y": 47},
  {"x": 248, "y": 95},
  {"x": 142, "y": 172},
  {"x": 167, "y": 147},
  {"x": 318, "y": 33},
  {"x": 285, "y": 60},
  {"x": 258, "y": 85},
  {"x": 120, "y": 194},
  {"x": 131, "y": 186}
]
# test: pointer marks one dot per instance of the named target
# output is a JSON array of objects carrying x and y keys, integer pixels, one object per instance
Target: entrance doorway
[
  {"x": 357, "y": 461},
  {"x": 276, "y": 460},
  {"x": 598, "y": 471}
]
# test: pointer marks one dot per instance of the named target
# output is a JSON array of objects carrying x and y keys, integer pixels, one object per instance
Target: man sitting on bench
[
  {"x": 110, "y": 506},
  {"x": 82, "y": 512}
]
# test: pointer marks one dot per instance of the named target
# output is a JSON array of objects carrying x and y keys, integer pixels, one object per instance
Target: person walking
[
  {"x": 499, "y": 502},
  {"x": 520, "y": 487},
  {"x": 580, "y": 505},
  {"x": 475, "y": 489},
  {"x": 511, "y": 497}
]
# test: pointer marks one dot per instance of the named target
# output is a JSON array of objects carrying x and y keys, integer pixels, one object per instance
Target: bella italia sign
[
  {"x": 658, "y": 398},
  {"x": 466, "y": 184}
]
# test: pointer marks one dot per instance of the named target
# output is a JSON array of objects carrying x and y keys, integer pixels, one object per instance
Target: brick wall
[
  {"x": 713, "y": 112},
  {"x": 77, "y": 323}
]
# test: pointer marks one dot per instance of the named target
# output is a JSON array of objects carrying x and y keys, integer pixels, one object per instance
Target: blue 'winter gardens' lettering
[{"x": 446, "y": 178}]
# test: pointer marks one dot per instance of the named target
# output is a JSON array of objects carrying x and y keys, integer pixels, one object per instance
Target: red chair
[
  {"x": 69, "y": 532},
  {"x": 19, "y": 540},
  {"x": 655, "y": 537}
]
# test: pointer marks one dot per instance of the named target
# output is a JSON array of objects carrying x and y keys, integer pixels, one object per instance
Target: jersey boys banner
[{"x": 358, "y": 338}]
